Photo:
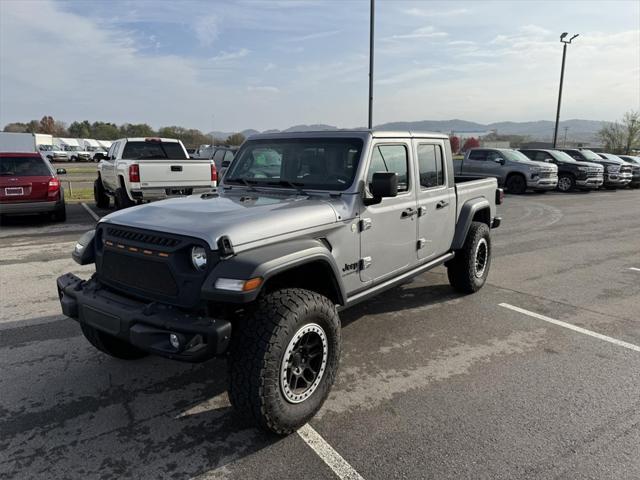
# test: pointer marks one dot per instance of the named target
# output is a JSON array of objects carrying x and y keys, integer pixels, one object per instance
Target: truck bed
[{"x": 470, "y": 188}]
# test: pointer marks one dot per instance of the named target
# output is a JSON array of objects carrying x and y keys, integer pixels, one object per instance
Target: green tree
[
  {"x": 105, "y": 131},
  {"x": 136, "y": 130},
  {"x": 80, "y": 129},
  {"x": 15, "y": 127},
  {"x": 235, "y": 139}
]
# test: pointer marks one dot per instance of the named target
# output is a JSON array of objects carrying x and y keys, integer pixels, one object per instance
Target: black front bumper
[{"x": 142, "y": 324}]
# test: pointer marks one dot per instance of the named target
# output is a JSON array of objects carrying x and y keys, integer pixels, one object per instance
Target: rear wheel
[
  {"x": 516, "y": 184},
  {"x": 566, "y": 183},
  {"x": 122, "y": 200},
  {"x": 284, "y": 359},
  {"x": 59, "y": 214},
  {"x": 111, "y": 345},
  {"x": 469, "y": 269},
  {"x": 100, "y": 194}
]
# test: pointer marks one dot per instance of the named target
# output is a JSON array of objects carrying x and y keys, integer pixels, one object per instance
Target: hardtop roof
[{"x": 353, "y": 133}]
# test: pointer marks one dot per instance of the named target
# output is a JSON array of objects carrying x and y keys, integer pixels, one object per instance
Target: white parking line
[
  {"x": 634, "y": 269},
  {"x": 95, "y": 216},
  {"x": 620, "y": 343},
  {"x": 339, "y": 465}
]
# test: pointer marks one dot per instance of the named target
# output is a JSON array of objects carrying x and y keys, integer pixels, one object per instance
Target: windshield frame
[{"x": 232, "y": 180}]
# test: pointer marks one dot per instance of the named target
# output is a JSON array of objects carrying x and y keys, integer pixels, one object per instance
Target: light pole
[
  {"x": 371, "y": 23},
  {"x": 564, "y": 56}
]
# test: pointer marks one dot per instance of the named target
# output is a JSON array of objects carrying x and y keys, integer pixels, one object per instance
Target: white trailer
[
  {"x": 93, "y": 147},
  {"x": 17, "y": 142},
  {"x": 75, "y": 149}
]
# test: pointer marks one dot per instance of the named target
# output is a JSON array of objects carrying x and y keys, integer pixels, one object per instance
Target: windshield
[
  {"x": 153, "y": 150},
  {"x": 324, "y": 163},
  {"x": 515, "y": 155},
  {"x": 71, "y": 148},
  {"x": 45, "y": 148},
  {"x": 23, "y": 167},
  {"x": 612, "y": 157},
  {"x": 563, "y": 157},
  {"x": 590, "y": 155}
]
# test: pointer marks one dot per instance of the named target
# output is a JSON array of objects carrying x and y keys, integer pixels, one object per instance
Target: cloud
[
  {"x": 262, "y": 89},
  {"x": 419, "y": 12},
  {"x": 422, "y": 32},
  {"x": 225, "y": 56},
  {"x": 312, "y": 36},
  {"x": 206, "y": 30},
  {"x": 269, "y": 66}
]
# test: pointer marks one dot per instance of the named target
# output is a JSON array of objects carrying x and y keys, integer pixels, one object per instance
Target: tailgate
[{"x": 175, "y": 173}]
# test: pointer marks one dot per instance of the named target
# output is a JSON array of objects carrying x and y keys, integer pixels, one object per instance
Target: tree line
[
  {"x": 191, "y": 137},
  {"x": 622, "y": 137}
]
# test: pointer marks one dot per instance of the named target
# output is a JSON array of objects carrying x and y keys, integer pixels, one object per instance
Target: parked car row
[
  {"x": 546, "y": 169},
  {"x": 52, "y": 148}
]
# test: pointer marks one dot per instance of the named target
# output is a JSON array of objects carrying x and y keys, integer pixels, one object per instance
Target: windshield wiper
[
  {"x": 245, "y": 182},
  {"x": 287, "y": 183}
]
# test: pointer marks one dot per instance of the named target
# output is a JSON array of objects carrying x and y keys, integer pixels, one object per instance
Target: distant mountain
[{"x": 578, "y": 130}]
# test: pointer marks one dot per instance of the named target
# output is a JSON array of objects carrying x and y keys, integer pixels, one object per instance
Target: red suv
[{"x": 28, "y": 184}]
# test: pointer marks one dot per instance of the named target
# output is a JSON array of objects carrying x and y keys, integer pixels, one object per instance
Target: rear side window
[
  {"x": 153, "y": 151},
  {"x": 24, "y": 167},
  {"x": 478, "y": 155},
  {"x": 390, "y": 158},
  {"x": 228, "y": 156},
  {"x": 431, "y": 165},
  {"x": 218, "y": 156}
]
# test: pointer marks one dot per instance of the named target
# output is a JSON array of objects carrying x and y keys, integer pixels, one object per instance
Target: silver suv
[{"x": 512, "y": 168}]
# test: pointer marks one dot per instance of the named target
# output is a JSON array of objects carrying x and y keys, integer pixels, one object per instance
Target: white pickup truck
[{"x": 146, "y": 169}]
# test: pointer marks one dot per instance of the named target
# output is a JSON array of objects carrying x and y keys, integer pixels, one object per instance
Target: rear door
[
  {"x": 436, "y": 200},
  {"x": 474, "y": 164},
  {"x": 388, "y": 229},
  {"x": 24, "y": 179}
]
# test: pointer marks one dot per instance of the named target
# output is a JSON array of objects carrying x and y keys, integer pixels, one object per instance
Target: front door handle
[
  {"x": 409, "y": 212},
  {"x": 441, "y": 204}
]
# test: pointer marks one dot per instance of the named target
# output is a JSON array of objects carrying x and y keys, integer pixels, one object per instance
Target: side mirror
[
  {"x": 499, "y": 160},
  {"x": 383, "y": 185},
  {"x": 61, "y": 171}
]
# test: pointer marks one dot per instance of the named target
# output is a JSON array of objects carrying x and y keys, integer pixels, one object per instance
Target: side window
[
  {"x": 478, "y": 155},
  {"x": 493, "y": 155},
  {"x": 430, "y": 165},
  {"x": 112, "y": 150},
  {"x": 217, "y": 157},
  {"x": 228, "y": 156},
  {"x": 390, "y": 158},
  {"x": 541, "y": 156}
]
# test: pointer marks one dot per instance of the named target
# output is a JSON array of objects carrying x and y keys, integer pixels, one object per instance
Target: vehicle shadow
[{"x": 145, "y": 419}]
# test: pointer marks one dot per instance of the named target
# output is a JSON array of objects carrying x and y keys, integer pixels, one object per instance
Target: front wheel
[
  {"x": 284, "y": 359},
  {"x": 517, "y": 184},
  {"x": 100, "y": 194},
  {"x": 469, "y": 269},
  {"x": 566, "y": 183}
]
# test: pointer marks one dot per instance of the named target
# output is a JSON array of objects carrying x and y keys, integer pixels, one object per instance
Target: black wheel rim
[
  {"x": 481, "y": 257},
  {"x": 304, "y": 363}
]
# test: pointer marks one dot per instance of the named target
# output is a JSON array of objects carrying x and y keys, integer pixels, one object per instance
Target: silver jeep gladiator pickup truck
[{"x": 303, "y": 225}]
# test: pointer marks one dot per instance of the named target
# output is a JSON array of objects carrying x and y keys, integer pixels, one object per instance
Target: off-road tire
[
  {"x": 100, "y": 194},
  {"x": 122, "y": 200},
  {"x": 462, "y": 271},
  {"x": 257, "y": 353},
  {"x": 111, "y": 345},
  {"x": 516, "y": 184}
]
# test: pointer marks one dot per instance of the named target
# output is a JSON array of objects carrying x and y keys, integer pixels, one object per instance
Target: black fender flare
[
  {"x": 266, "y": 262},
  {"x": 467, "y": 212}
]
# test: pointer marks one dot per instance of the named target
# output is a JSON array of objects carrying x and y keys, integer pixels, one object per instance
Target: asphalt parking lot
[{"x": 432, "y": 384}]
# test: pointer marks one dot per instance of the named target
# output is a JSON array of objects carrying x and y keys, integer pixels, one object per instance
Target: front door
[
  {"x": 436, "y": 200},
  {"x": 389, "y": 229}
]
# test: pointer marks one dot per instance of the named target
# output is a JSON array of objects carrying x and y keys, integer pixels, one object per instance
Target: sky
[{"x": 228, "y": 66}]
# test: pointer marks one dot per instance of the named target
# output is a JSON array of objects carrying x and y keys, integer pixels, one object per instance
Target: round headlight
[{"x": 199, "y": 258}]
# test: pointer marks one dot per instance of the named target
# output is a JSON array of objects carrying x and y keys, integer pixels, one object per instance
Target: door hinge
[
  {"x": 365, "y": 263},
  {"x": 421, "y": 243},
  {"x": 365, "y": 224}
]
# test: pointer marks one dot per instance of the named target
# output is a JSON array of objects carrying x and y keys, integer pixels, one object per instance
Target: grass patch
[
  {"x": 75, "y": 170},
  {"x": 79, "y": 194}
]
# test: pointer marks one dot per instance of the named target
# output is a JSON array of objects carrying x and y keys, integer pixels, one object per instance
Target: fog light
[{"x": 174, "y": 340}]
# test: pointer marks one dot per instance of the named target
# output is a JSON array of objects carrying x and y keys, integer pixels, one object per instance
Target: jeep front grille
[{"x": 138, "y": 272}]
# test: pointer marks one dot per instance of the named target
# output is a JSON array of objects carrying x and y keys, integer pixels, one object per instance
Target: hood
[
  {"x": 242, "y": 216},
  {"x": 589, "y": 164}
]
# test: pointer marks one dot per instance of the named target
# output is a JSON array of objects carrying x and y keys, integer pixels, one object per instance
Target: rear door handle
[
  {"x": 441, "y": 204},
  {"x": 409, "y": 212}
]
